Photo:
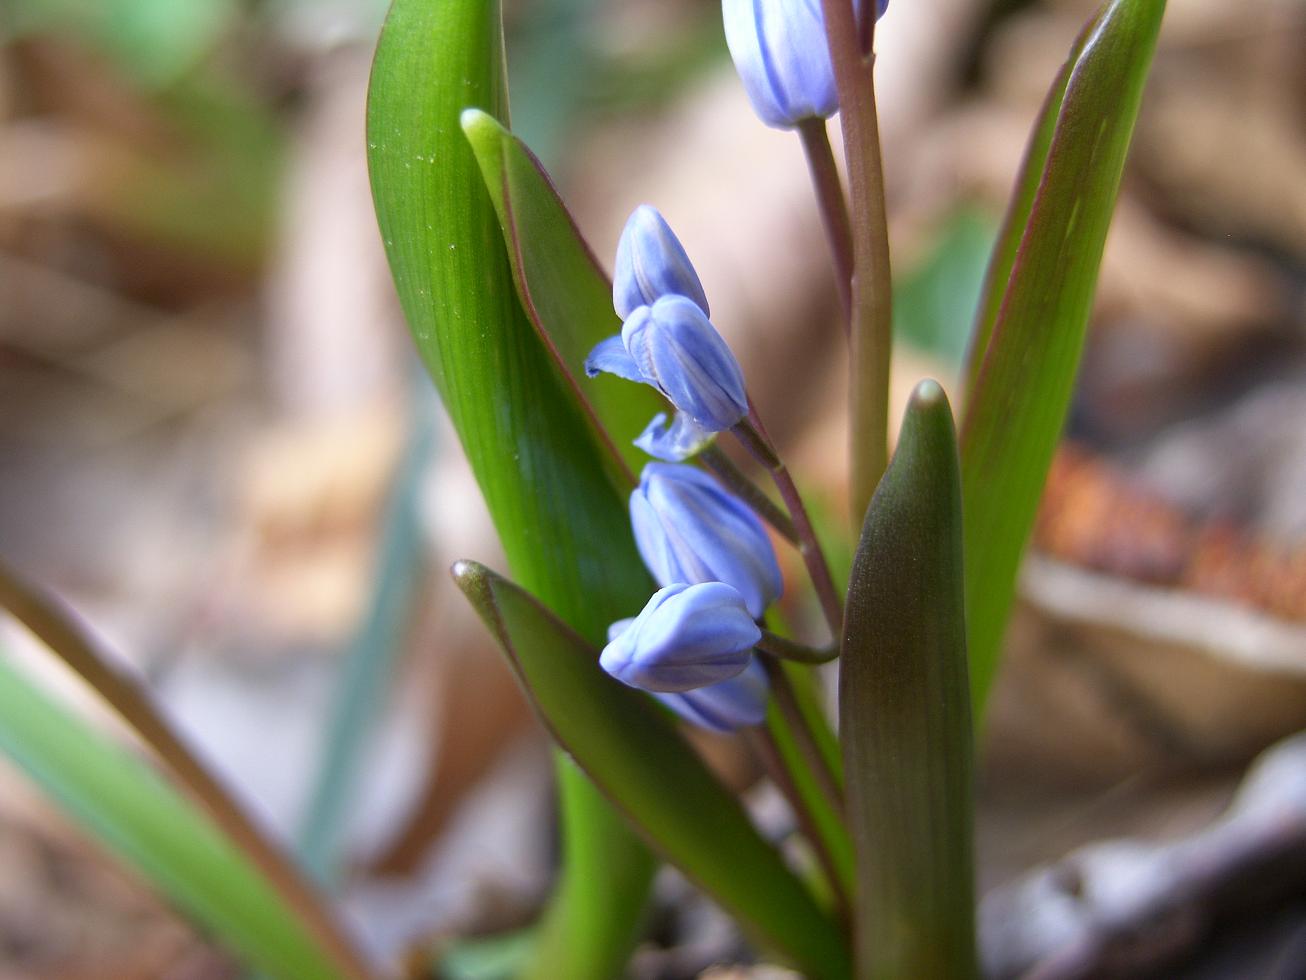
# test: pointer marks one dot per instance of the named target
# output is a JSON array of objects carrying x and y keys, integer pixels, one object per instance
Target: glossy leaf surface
[
  {"x": 561, "y": 284},
  {"x": 545, "y": 477},
  {"x": 1018, "y": 404},
  {"x": 904, "y": 713},
  {"x": 633, "y": 751}
]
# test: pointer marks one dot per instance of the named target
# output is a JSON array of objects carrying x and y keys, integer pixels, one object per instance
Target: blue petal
[
  {"x": 780, "y": 51},
  {"x": 726, "y": 706},
  {"x": 610, "y": 357},
  {"x": 678, "y": 347},
  {"x": 651, "y": 263},
  {"x": 675, "y": 441},
  {"x": 687, "y": 637},
  {"x": 713, "y": 535},
  {"x": 653, "y": 542}
]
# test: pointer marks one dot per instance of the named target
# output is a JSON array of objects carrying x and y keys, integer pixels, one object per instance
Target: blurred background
[{"x": 217, "y": 446}]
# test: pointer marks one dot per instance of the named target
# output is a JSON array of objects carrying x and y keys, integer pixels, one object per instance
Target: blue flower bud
[
  {"x": 673, "y": 346},
  {"x": 780, "y": 51},
  {"x": 677, "y": 350},
  {"x": 727, "y": 705},
  {"x": 673, "y": 442},
  {"x": 689, "y": 529},
  {"x": 688, "y": 636},
  {"x": 651, "y": 263}
]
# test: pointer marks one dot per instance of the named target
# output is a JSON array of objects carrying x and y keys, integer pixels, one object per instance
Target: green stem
[
  {"x": 872, "y": 292},
  {"x": 833, "y": 206},
  {"x": 766, "y": 747},
  {"x": 734, "y": 478},
  {"x": 783, "y": 648},
  {"x": 754, "y": 438},
  {"x": 804, "y": 740}
]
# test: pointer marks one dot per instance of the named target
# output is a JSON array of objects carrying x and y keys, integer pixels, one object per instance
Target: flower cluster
[
  {"x": 692, "y": 645},
  {"x": 668, "y": 342}
]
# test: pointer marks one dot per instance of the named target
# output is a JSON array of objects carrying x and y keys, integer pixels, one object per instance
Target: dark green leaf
[
  {"x": 542, "y": 471},
  {"x": 150, "y": 826},
  {"x": 904, "y": 713},
  {"x": 561, "y": 284},
  {"x": 1017, "y": 407},
  {"x": 633, "y": 751}
]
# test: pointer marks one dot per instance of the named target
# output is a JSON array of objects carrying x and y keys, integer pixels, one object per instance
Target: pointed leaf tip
[
  {"x": 928, "y": 394},
  {"x": 475, "y": 120}
]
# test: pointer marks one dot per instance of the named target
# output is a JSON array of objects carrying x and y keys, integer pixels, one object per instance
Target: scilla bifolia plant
[
  {"x": 562, "y": 385},
  {"x": 642, "y": 588}
]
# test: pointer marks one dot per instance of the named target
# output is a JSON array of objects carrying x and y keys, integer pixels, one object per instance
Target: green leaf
[
  {"x": 561, "y": 284},
  {"x": 531, "y": 446},
  {"x": 67, "y": 640},
  {"x": 1028, "y": 180},
  {"x": 633, "y": 751},
  {"x": 1017, "y": 407},
  {"x": 904, "y": 713},
  {"x": 150, "y": 826}
]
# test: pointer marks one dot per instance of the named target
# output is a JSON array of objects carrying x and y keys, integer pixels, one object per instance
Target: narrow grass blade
[
  {"x": 65, "y": 638},
  {"x": 132, "y": 811},
  {"x": 633, "y": 752},
  {"x": 545, "y": 475},
  {"x": 368, "y": 665},
  {"x": 904, "y": 713},
  {"x": 561, "y": 284},
  {"x": 1018, "y": 404}
]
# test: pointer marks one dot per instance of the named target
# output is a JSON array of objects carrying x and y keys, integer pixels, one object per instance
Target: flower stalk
[
  {"x": 833, "y": 207},
  {"x": 763, "y": 743},
  {"x": 851, "y": 53},
  {"x": 754, "y": 438},
  {"x": 783, "y": 648},
  {"x": 738, "y": 482},
  {"x": 786, "y": 701}
]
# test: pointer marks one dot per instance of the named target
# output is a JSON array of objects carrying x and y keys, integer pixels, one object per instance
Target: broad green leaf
[
  {"x": 633, "y": 751},
  {"x": 534, "y": 453},
  {"x": 117, "y": 798},
  {"x": 560, "y": 282},
  {"x": 1017, "y": 407},
  {"x": 904, "y": 713}
]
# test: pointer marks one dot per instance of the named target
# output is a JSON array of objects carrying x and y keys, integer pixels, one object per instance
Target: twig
[{"x": 1129, "y": 908}]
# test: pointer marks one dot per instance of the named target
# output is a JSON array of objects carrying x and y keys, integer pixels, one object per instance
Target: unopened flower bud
[
  {"x": 688, "y": 528},
  {"x": 687, "y": 637},
  {"x": 780, "y": 51},
  {"x": 651, "y": 263},
  {"x": 725, "y": 706},
  {"x": 676, "y": 349}
]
